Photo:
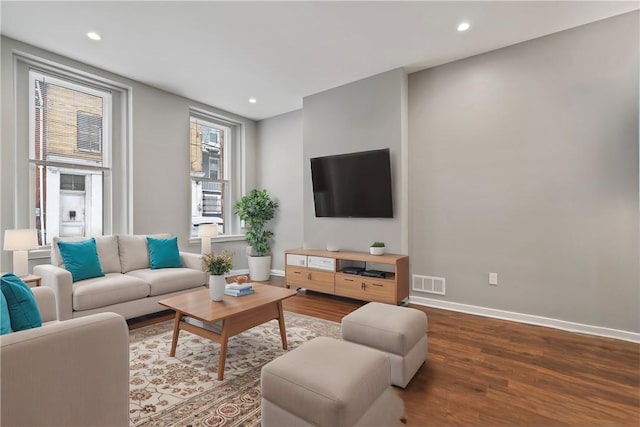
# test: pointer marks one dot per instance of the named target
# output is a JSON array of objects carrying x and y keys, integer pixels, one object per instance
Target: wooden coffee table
[{"x": 237, "y": 314}]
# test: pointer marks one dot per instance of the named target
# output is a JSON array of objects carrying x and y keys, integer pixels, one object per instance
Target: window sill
[
  {"x": 43, "y": 253},
  {"x": 220, "y": 239}
]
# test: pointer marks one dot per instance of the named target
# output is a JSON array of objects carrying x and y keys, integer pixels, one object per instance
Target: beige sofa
[
  {"x": 129, "y": 287},
  {"x": 71, "y": 373}
]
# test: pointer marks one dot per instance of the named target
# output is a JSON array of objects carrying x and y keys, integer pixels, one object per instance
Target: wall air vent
[{"x": 429, "y": 284}]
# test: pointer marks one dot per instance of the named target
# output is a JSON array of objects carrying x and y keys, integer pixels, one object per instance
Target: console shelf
[{"x": 321, "y": 271}]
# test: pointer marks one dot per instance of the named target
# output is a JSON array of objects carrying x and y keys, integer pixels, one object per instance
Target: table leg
[
  {"x": 283, "y": 332},
  {"x": 176, "y": 332},
  {"x": 223, "y": 348}
]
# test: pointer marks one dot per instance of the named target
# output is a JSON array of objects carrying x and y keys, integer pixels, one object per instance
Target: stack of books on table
[
  {"x": 238, "y": 290},
  {"x": 213, "y": 327}
]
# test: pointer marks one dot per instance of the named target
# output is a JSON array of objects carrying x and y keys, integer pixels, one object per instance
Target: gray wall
[
  {"x": 160, "y": 188},
  {"x": 364, "y": 115},
  {"x": 280, "y": 172},
  {"x": 524, "y": 161}
]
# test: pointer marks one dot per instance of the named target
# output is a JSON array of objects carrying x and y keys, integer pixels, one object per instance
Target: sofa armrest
[
  {"x": 191, "y": 260},
  {"x": 60, "y": 281},
  {"x": 46, "y": 300},
  {"x": 75, "y": 372}
]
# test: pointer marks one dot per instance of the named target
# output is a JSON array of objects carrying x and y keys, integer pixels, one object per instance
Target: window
[
  {"x": 72, "y": 182},
  {"x": 210, "y": 154},
  {"x": 69, "y": 146}
]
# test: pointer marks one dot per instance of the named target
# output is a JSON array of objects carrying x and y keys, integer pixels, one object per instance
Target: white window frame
[
  {"x": 80, "y": 87},
  {"x": 233, "y": 168},
  {"x": 119, "y": 202},
  {"x": 36, "y": 161}
]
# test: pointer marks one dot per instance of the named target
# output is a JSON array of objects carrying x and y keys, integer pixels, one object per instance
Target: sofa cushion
[
  {"x": 163, "y": 253},
  {"x": 5, "y": 321},
  {"x": 22, "y": 307},
  {"x": 167, "y": 280},
  {"x": 81, "y": 259},
  {"x": 134, "y": 252},
  {"x": 107, "y": 252},
  {"x": 110, "y": 289}
]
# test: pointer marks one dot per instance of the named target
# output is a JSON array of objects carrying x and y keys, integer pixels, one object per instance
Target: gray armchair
[{"x": 65, "y": 373}]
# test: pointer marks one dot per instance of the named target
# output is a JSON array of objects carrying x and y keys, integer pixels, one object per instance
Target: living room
[{"x": 518, "y": 159}]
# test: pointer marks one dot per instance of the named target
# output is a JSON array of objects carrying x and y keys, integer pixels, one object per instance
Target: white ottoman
[
  {"x": 329, "y": 382},
  {"x": 398, "y": 331}
]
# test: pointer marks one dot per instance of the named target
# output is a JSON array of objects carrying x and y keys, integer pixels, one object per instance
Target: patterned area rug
[{"x": 183, "y": 390}]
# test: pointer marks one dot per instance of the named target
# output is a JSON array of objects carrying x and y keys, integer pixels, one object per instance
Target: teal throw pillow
[
  {"x": 81, "y": 259},
  {"x": 22, "y": 307},
  {"x": 164, "y": 253},
  {"x": 5, "y": 320}
]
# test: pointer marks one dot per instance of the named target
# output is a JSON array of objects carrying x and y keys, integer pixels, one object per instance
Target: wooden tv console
[{"x": 322, "y": 271}]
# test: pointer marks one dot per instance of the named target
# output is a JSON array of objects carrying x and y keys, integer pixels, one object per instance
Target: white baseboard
[
  {"x": 277, "y": 273},
  {"x": 528, "y": 318}
]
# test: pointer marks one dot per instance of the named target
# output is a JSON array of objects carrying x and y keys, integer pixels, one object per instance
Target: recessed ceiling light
[
  {"x": 252, "y": 100},
  {"x": 93, "y": 35},
  {"x": 464, "y": 26}
]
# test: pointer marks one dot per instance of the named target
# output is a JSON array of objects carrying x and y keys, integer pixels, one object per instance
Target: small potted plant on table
[{"x": 217, "y": 266}]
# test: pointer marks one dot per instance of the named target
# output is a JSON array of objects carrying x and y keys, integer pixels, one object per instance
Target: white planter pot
[
  {"x": 216, "y": 287},
  {"x": 376, "y": 251},
  {"x": 259, "y": 268}
]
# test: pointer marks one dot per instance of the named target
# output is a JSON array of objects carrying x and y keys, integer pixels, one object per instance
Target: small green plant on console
[{"x": 376, "y": 248}]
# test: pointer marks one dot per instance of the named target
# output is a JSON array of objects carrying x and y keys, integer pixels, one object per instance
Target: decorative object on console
[
  {"x": 332, "y": 247},
  {"x": 376, "y": 248},
  {"x": 20, "y": 241},
  {"x": 217, "y": 266},
  {"x": 206, "y": 232},
  {"x": 256, "y": 209}
]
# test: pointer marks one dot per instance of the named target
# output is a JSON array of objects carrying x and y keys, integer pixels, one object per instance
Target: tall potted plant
[{"x": 256, "y": 209}]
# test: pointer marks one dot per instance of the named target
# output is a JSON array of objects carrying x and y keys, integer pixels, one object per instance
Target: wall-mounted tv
[{"x": 354, "y": 185}]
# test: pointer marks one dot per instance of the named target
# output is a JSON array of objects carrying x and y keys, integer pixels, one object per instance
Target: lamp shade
[
  {"x": 20, "y": 240},
  {"x": 208, "y": 230}
]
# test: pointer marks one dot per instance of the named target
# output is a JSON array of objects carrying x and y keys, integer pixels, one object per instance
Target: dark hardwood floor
[{"x": 488, "y": 372}]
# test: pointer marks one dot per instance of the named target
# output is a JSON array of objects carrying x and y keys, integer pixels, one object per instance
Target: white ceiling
[{"x": 223, "y": 53}]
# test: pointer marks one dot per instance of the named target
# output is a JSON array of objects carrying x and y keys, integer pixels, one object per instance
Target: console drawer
[
  {"x": 297, "y": 276},
  {"x": 320, "y": 281},
  {"x": 380, "y": 290},
  {"x": 349, "y": 285}
]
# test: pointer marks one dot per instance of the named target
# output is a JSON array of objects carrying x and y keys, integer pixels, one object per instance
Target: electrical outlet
[{"x": 493, "y": 279}]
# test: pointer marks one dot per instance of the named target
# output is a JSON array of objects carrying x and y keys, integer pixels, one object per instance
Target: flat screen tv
[{"x": 354, "y": 185}]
